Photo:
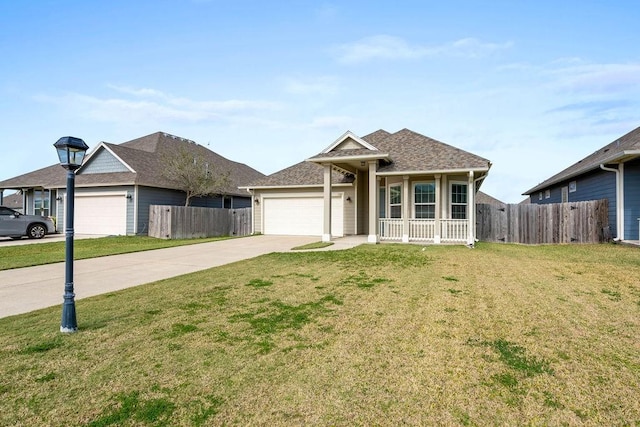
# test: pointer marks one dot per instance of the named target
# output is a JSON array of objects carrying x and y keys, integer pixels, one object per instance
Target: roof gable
[
  {"x": 624, "y": 148},
  {"x": 349, "y": 141},
  {"x": 402, "y": 152},
  {"x": 136, "y": 162},
  {"x": 103, "y": 160}
]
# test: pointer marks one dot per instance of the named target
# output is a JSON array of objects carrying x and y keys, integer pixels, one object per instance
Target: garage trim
[{"x": 302, "y": 228}]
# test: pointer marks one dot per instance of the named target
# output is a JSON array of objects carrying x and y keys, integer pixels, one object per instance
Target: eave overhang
[{"x": 619, "y": 157}]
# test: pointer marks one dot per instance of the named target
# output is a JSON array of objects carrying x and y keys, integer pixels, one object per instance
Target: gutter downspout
[{"x": 619, "y": 202}]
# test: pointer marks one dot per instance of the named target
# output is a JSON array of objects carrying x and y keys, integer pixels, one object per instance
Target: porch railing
[
  {"x": 424, "y": 230},
  {"x": 390, "y": 229},
  {"x": 454, "y": 230}
]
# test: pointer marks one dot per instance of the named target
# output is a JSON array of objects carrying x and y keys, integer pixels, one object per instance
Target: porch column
[
  {"x": 406, "y": 211},
  {"x": 373, "y": 202},
  {"x": 436, "y": 232},
  {"x": 326, "y": 228},
  {"x": 471, "y": 210}
]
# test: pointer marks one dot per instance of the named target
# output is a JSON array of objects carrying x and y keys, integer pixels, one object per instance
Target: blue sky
[{"x": 531, "y": 86}]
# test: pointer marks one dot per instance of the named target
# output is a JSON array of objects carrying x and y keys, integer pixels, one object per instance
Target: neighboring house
[
  {"x": 399, "y": 186},
  {"x": 484, "y": 198},
  {"x": 13, "y": 201},
  {"x": 612, "y": 173},
  {"x": 118, "y": 182}
]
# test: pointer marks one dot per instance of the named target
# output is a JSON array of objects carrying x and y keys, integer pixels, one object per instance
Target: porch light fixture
[
  {"x": 349, "y": 199},
  {"x": 257, "y": 201},
  {"x": 71, "y": 153}
]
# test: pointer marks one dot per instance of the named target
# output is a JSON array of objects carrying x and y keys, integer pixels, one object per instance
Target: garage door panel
[
  {"x": 301, "y": 216},
  {"x": 100, "y": 214}
]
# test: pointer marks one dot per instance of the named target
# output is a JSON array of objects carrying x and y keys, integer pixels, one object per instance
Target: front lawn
[
  {"x": 46, "y": 253},
  {"x": 376, "y": 335}
]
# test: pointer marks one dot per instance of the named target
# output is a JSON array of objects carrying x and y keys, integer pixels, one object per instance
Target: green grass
[
  {"x": 46, "y": 253},
  {"x": 314, "y": 245},
  {"x": 375, "y": 335}
]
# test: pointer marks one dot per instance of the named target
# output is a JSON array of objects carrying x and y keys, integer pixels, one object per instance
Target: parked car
[{"x": 15, "y": 225}]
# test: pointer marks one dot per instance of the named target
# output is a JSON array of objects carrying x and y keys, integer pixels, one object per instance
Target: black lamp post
[{"x": 71, "y": 153}]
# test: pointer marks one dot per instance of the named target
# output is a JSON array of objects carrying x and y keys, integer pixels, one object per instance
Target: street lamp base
[{"x": 68, "y": 330}]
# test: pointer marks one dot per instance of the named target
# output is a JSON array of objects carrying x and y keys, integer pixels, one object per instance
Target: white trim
[
  {"x": 346, "y": 135},
  {"x": 450, "y": 201},
  {"x": 335, "y": 159},
  {"x": 101, "y": 194},
  {"x": 288, "y": 187},
  {"x": 433, "y": 172},
  {"x": 388, "y": 201},
  {"x": 103, "y": 145},
  {"x": 413, "y": 198}
]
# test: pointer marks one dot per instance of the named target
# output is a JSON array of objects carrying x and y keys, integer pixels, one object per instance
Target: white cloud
[
  {"x": 598, "y": 78},
  {"x": 155, "y": 106},
  {"x": 387, "y": 47}
]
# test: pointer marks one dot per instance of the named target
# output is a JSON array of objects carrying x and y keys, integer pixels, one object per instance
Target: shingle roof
[
  {"x": 484, "y": 198},
  {"x": 407, "y": 151},
  {"x": 411, "y": 151},
  {"x": 13, "y": 201},
  {"x": 627, "y": 145},
  {"x": 144, "y": 155},
  {"x": 300, "y": 174}
]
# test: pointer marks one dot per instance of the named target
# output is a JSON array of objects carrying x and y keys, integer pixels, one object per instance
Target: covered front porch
[
  {"x": 424, "y": 230},
  {"x": 432, "y": 208}
]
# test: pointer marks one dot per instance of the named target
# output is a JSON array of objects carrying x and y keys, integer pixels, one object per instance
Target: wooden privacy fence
[
  {"x": 578, "y": 222},
  {"x": 186, "y": 222}
]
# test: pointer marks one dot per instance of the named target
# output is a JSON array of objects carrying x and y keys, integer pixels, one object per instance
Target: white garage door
[
  {"x": 301, "y": 216},
  {"x": 100, "y": 214}
]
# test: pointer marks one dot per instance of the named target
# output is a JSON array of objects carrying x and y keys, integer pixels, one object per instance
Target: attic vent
[{"x": 605, "y": 150}]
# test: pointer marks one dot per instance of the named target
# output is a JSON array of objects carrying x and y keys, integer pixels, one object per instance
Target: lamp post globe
[{"x": 71, "y": 152}]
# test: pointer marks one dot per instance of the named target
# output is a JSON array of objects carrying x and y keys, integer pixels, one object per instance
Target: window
[
  {"x": 573, "y": 186},
  {"x": 458, "y": 201},
  {"x": 226, "y": 202},
  {"x": 41, "y": 202},
  {"x": 547, "y": 194},
  {"x": 540, "y": 196},
  {"x": 424, "y": 200},
  {"x": 395, "y": 201},
  {"x": 381, "y": 202},
  {"x": 565, "y": 194}
]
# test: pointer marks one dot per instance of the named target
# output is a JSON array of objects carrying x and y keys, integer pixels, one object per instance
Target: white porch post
[
  {"x": 326, "y": 228},
  {"x": 471, "y": 210},
  {"x": 373, "y": 202},
  {"x": 436, "y": 232},
  {"x": 405, "y": 209}
]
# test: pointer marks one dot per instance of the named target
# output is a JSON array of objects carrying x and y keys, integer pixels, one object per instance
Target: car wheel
[{"x": 36, "y": 231}]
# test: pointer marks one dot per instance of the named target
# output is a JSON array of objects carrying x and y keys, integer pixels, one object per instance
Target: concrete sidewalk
[{"x": 27, "y": 289}]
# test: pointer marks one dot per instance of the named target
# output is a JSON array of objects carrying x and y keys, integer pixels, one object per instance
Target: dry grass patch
[{"x": 376, "y": 335}]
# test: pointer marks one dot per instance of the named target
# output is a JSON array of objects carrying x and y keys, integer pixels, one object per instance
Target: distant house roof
[
  {"x": 13, "y": 201},
  {"x": 484, "y": 198},
  {"x": 142, "y": 164},
  {"x": 620, "y": 150},
  {"x": 402, "y": 152}
]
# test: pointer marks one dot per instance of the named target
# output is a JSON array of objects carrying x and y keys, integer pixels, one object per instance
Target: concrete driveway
[{"x": 26, "y": 289}]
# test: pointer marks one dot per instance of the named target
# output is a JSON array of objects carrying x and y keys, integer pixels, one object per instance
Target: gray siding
[
  {"x": 631, "y": 199},
  {"x": 148, "y": 196},
  {"x": 103, "y": 162},
  {"x": 594, "y": 185},
  {"x": 241, "y": 202}
]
